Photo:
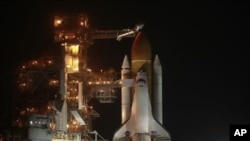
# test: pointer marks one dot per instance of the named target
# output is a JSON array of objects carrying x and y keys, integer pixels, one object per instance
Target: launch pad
[{"x": 68, "y": 116}]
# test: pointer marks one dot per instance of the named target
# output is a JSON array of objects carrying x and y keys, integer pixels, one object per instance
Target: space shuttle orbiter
[{"x": 141, "y": 104}]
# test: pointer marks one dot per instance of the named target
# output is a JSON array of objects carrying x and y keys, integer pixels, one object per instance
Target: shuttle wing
[{"x": 157, "y": 131}]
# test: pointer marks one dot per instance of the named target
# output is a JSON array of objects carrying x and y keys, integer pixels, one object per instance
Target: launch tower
[{"x": 78, "y": 84}]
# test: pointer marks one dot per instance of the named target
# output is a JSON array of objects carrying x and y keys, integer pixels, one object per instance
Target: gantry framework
[
  {"x": 81, "y": 84},
  {"x": 70, "y": 82}
]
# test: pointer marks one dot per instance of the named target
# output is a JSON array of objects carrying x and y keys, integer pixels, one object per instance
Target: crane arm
[
  {"x": 108, "y": 34},
  {"x": 118, "y": 34},
  {"x": 131, "y": 32}
]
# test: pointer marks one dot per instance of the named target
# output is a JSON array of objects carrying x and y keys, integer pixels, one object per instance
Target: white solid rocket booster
[
  {"x": 126, "y": 90},
  {"x": 157, "y": 89}
]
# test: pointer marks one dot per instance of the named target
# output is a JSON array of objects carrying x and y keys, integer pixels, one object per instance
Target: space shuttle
[{"x": 141, "y": 96}]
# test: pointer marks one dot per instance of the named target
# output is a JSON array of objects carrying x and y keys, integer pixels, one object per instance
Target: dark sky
[{"x": 202, "y": 47}]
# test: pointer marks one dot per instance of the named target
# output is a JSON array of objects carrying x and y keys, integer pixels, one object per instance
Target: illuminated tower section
[
  {"x": 67, "y": 32},
  {"x": 71, "y": 58}
]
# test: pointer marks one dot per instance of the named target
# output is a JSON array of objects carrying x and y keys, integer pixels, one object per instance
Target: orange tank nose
[{"x": 141, "y": 57}]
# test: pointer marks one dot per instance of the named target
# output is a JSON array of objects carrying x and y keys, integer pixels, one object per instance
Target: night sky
[{"x": 202, "y": 47}]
